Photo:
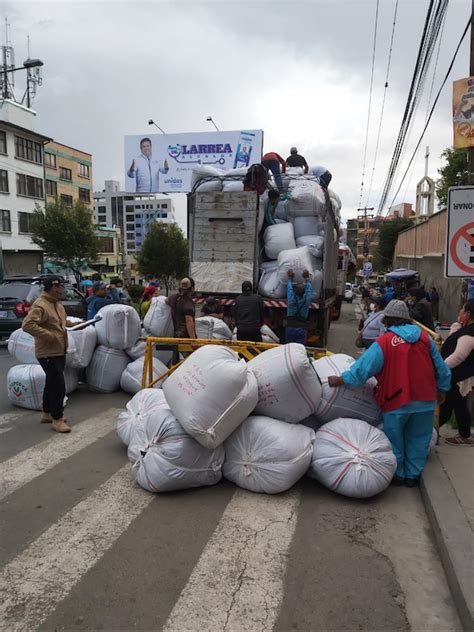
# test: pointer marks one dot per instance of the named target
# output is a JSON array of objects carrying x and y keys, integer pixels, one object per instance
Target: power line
[
  {"x": 370, "y": 102},
  {"x": 377, "y": 143}
]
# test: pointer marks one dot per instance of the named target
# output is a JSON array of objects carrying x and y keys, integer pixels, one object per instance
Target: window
[
  {"x": 130, "y": 226},
  {"x": 84, "y": 170},
  {"x": 66, "y": 199},
  {"x": 164, "y": 215},
  {"x": 84, "y": 195},
  {"x": 5, "y": 224},
  {"x": 106, "y": 244},
  {"x": 27, "y": 149},
  {"x": 3, "y": 142},
  {"x": 65, "y": 174},
  {"x": 164, "y": 206},
  {"x": 130, "y": 218},
  {"x": 3, "y": 181},
  {"x": 29, "y": 186},
  {"x": 101, "y": 209},
  {"x": 50, "y": 160},
  {"x": 51, "y": 188},
  {"x": 130, "y": 235},
  {"x": 24, "y": 220},
  {"x": 130, "y": 245}
]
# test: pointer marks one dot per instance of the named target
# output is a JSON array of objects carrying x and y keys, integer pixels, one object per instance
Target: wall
[
  {"x": 69, "y": 158},
  {"x": 23, "y": 262},
  {"x": 426, "y": 238}
]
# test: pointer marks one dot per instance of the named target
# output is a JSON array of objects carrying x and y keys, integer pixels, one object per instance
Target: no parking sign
[{"x": 460, "y": 233}]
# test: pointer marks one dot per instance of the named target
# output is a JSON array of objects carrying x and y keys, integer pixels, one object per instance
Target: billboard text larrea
[{"x": 206, "y": 149}]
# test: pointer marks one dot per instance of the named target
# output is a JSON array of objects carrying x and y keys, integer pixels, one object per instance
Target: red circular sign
[{"x": 462, "y": 233}]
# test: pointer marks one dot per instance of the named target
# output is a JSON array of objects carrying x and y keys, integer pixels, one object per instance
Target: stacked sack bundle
[{"x": 262, "y": 425}]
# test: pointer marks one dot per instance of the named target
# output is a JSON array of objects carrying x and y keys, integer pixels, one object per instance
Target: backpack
[{"x": 256, "y": 179}]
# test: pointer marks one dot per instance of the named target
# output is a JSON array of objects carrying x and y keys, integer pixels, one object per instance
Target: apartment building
[{"x": 68, "y": 174}]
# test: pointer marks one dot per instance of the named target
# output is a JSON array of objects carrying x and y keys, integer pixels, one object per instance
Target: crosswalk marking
[
  {"x": 237, "y": 583},
  {"x": 7, "y": 418},
  {"x": 42, "y": 575},
  {"x": 26, "y": 466}
]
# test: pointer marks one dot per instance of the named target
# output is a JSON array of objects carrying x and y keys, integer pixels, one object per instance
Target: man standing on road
[
  {"x": 296, "y": 160},
  {"x": 46, "y": 322},
  {"x": 411, "y": 377},
  {"x": 298, "y": 298},
  {"x": 99, "y": 298},
  {"x": 248, "y": 314},
  {"x": 183, "y": 310}
]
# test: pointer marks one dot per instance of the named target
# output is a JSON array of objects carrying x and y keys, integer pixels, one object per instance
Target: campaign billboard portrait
[{"x": 163, "y": 163}]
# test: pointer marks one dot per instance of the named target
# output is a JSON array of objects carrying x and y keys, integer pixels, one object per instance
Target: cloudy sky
[{"x": 298, "y": 70}]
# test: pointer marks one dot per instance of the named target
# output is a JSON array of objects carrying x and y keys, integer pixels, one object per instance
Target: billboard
[
  {"x": 163, "y": 163},
  {"x": 463, "y": 113}
]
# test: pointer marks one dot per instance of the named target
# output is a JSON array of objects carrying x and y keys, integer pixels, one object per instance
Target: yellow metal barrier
[{"x": 245, "y": 349}]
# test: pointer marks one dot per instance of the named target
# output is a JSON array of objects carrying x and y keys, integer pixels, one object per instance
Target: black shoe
[
  {"x": 412, "y": 482},
  {"x": 398, "y": 482}
]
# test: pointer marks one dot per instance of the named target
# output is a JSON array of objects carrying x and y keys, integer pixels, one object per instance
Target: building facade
[
  {"x": 21, "y": 188},
  {"x": 110, "y": 260},
  {"x": 68, "y": 174}
]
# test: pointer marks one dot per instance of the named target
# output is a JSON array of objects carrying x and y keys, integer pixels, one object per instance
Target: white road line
[
  {"x": 27, "y": 465},
  {"x": 8, "y": 418},
  {"x": 42, "y": 575},
  {"x": 4, "y": 430},
  {"x": 237, "y": 583}
]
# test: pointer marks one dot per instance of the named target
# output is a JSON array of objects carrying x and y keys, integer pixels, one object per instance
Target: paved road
[{"x": 82, "y": 548}]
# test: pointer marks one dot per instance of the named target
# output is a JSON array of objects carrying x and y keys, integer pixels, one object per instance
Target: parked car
[
  {"x": 348, "y": 293},
  {"x": 17, "y": 294}
]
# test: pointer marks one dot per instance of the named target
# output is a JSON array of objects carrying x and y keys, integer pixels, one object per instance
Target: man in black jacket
[
  {"x": 248, "y": 314},
  {"x": 420, "y": 309}
]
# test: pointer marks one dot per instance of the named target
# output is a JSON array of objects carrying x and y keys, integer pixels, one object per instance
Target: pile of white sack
[
  {"x": 297, "y": 240},
  {"x": 262, "y": 424}
]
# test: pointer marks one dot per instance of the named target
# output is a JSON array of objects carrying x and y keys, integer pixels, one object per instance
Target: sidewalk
[{"x": 447, "y": 488}]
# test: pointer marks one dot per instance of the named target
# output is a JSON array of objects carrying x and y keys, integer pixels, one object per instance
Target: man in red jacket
[{"x": 272, "y": 161}]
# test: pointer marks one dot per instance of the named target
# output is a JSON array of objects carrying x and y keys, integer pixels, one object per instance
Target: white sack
[
  {"x": 85, "y": 341},
  {"x": 280, "y": 211},
  {"x": 132, "y": 419},
  {"x": 304, "y": 225},
  {"x": 270, "y": 285},
  {"x": 71, "y": 377},
  {"x": 268, "y": 335},
  {"x": 21, "y": 346},
  {"x": 317, "y": 263},
  {"x": 317, "y": 282},
  {"x": 352, "y": 458},
  {"x": 209, "y": 327},
  {"x": 105, "y": 369},
  {"x": 335, "y": 201},
  {"x": 307, "y": 198},
  {"x": 205, "y": 171},
  {"x": 138, "y": 349},
  {"x": 288, "y": 387},
  {"x": 266, "y": 455},
  {"x": 238, "y": 171},
  {"x": 298, "y": 260},
  {"x": 211, "y": 394},
  {"x": 229, "y": 186},
  {"x": 25, "y": 385},
  {"x": 315, "y": 244},
  {"x": 119, "y": 327},
  {"x": 169, "y": 459},
  {"x": 342, "y": 401},
  {"x": 158, "y": 321},
  {"x": 294, "y": 171},
  {"x": 131, "y": 378},
  {"x": 278, "y": 237}
]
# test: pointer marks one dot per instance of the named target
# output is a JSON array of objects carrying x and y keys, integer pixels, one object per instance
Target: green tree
[
  {"x": 164, "y": 253},
  {"x": 454, "y": 173},
  {"x": 66, "y": 235},
  {"x": 387, "y": 239}
]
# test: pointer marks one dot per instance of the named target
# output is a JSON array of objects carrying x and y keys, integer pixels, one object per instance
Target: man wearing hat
[
  {"x": 100, "y": 298},
  {"x": 46, "y": 322},
  {"x": 296, "y": 160},
  {"x": 183, "y": 310},
  {"x": 411, "y": 377}
]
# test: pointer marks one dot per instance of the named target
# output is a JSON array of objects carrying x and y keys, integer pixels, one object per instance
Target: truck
[{"x": 224, "y": 248}]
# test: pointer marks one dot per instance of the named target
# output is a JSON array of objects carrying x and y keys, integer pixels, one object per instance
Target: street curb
[{"x": 453, "y": 536}]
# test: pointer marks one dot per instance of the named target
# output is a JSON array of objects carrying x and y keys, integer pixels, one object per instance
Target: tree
[
  {"x": 454, "y": 173},
  {"x": 164, "y": 253},
  {"x": 66, "y": 235},
  {"x": 388, "y": 235}
]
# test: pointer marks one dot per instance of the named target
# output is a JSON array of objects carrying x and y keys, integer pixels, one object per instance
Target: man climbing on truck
[{"x": 299, "y": 298}]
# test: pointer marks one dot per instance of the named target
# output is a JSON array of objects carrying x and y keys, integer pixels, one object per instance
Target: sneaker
[
  {"x": 458, "y": 440},
  {"x": 412, "y": 482},
  {"x": 59, "y": 425},
  {"x": 46, "y": 418}
]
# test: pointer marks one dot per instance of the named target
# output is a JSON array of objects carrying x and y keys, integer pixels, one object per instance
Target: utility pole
[
  {"x": 366, "y": 218},
  {"x": 471, "y": 74}
]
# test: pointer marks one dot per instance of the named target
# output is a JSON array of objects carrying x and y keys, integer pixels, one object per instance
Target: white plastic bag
[
  {"x": 268, "y": 335},
  {"x": 307, "y": 225},
  {"x": 105, "y": 369},
  {"x": 132, "y": 419},
  {"x": 298, "y": 260},
  {"x": 229, "y": 186},
  {"x": 25, "y": 385},
  {"x": 21, "y": 346},
  {"x": 317, "y": 282},
  {"x": 158, "y": 321},
  {"x": 169, "y": 459},
  {"x": 278, "y": 237},
  {"x": 288, "y": 387},
  {"x": 342, "y": 401},
  {"x": 119, "y": 327},
  {"x": 208, "y": 177},
  {"x": 139, "y": 348},
  {"x": 85, "y": 341},
  {"x": 280, "y": 211},
  {"x": 352, "y": 458},
  {"x": 209, "y": 327},
  {"x": 315, "y": 244},
  {"x": 211, "y": 394},
  {"x": 269, "y": 284},
  {"x": 266, "y": 455},
  {"x": 131, "y": 378},
  {"x": 307, "y": 198}
]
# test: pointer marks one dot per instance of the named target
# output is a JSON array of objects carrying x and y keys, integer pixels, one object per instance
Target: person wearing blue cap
[{"x": 99, "y": 298}]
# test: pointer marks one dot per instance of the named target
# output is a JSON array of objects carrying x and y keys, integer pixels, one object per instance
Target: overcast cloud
[{"x": 298, "y": 70}]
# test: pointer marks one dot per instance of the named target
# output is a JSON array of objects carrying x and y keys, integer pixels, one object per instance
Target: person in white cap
[
  {"x": 296, "y": 160},
  {"x": 411, "y": 378}
]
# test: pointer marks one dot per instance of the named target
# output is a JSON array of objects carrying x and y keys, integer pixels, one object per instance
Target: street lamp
[
  {"x": 211, "y": 120},
  {"x": 152, "y": 122}
]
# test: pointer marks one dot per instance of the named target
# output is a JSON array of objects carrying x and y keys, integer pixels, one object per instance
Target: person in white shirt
[{"x": 145, "y": 170}]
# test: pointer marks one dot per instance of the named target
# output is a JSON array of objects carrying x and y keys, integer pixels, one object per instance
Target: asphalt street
[{"x": 83, "y": 548}]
